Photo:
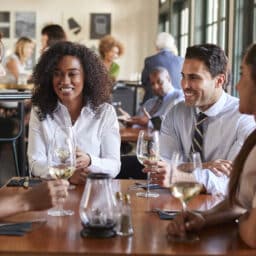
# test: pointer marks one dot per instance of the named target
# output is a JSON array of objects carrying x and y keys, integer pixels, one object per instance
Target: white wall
[{"x": 133, "y": 22}]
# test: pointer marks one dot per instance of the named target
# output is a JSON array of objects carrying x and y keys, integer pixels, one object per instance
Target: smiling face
[
  {"x": 247, "y": 90},
  {"x": 200, "y": 88},
  {"x": 68, "y": 80},
  {"x": 160, "y": 83},
  {"x": 112, "y": 54}
]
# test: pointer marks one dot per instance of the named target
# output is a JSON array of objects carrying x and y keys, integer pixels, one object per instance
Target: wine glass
[
  {"x": 183, "y": 185},
  {"x": 148, "y": 149},
  {"x": 61, "y": 161}
]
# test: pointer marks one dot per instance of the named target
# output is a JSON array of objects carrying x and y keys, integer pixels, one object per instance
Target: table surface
[
  {"x": 129, "y": 134},
  {"x": 17, "y": 86},
  {"x": 61, "y": 235}
]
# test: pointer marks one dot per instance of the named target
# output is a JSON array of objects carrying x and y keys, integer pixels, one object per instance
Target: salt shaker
[{"x": 126, "y": 228}]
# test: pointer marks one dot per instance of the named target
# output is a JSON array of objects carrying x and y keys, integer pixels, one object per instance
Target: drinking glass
[
  {"x": 148, "y": 149},
  {"x": 61, "y": 161},
  {"x": 183, "y": 184}
]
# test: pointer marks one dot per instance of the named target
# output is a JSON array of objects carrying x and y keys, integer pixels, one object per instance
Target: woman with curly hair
[
  {"x": 110, "y": 49},
  {"x": 72, "y": 88}
]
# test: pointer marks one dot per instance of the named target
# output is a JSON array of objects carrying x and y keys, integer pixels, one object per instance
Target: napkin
[
  {"x": 15, "y": 229},
  {"x": 21, "y": 182}
]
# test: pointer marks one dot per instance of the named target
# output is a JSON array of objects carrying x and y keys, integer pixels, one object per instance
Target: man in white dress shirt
[
  {"x": 204, "y": 75},
  {"x": 166, "y": 96}
]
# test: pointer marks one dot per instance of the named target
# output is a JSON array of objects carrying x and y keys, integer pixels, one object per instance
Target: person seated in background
[
  {"x": 165, "y": 97},
  {"x": 49, "y": 192},
  {"x": 207, "y": 122},
  {"x": 167, "y": 57},
  {"x": 75, "y": 92},
  {"x": 15, "y": 64},
  {"x": 110, "y": 49},
  {"x": 51, "y": 34},
  {"x": 242, "y": 194}
]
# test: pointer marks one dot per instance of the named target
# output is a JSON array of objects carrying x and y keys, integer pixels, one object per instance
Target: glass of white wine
[
  {"x": 148, "y": 149},
  {"x": 61, "y": 161},
  {"x": 184, "y": 186}
]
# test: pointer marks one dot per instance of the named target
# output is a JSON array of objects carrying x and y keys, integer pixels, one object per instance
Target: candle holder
[{"x": 97, "y": 207}]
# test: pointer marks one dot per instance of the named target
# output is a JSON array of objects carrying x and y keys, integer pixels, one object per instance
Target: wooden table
[
  {"x": 61, "y": 235},
  {"x": 17, "y": 86},
  {"x": 129, "y": 134}
]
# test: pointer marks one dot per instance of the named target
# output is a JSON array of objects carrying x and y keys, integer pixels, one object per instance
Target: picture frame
[
  {"x": 100, "y": 25},
  {"x": 5, "y": 20},
  {"x": 25, "y": 24}
]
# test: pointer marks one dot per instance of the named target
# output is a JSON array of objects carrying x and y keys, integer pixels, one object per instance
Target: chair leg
[{"x": 14, "y": 151}]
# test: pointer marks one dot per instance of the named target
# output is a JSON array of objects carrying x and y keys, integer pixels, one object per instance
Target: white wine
[
  {"x": 184, "y": 191},
  {"x": 142, "y": 158},
  {"x": 62, "y": 154},
  {"x": 61, "y": 172}
]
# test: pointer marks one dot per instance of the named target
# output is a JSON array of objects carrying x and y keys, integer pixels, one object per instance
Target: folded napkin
[
  {"x": 166, "y": 215},
  {"x": 23, "y": 182},
  {"x": 15, "y": 229},
  {"x": 144, "y": 186}
]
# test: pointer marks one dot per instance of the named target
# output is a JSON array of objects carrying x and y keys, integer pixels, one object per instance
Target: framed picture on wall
[
  {"x": 25, "y": 24},
  {"x": 5, "y": 24},
  {"x": 100, "y": 25}
]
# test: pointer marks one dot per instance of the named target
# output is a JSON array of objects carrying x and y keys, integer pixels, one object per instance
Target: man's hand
[
  {"x": 140, "y": 120},
  {"x": 219, "y": 167},
  {"x": 159, "y": 172}
]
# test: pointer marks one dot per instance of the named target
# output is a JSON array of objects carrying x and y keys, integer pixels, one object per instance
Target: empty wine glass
[
  {"x": 148, "y": 149},
  {"x": 183, "y": 184},
  {"x": 61, "y": 161}
]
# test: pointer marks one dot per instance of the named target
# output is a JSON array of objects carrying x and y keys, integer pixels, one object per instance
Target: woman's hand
[
  {"x": 46, "y": 195},
  {"x": 185, "y": 221},
  {"x": 79, "y": 176},
  {"x": 83, "y": 160}
]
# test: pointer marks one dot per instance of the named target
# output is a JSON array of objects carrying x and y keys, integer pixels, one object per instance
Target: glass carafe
[{"x": 97, "y": 207}]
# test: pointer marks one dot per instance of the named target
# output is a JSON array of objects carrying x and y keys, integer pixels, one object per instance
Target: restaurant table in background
[
  {"x": 61, "y": 235},
  {"x": 129, "y": 134},
  {"x": 19, "y": 96}
]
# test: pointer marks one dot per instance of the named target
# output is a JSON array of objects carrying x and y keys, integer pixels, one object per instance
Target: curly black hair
[{"x": 97, "y": 84}]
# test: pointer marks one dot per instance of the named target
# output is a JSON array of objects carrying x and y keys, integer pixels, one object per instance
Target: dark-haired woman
[
  {"x": 242, "y": 187},
  {"x": 73, "y": 89}
]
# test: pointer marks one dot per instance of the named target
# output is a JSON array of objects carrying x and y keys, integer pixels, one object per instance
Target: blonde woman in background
[
  {"x": 110, "y": 49},
  {"x": 15, "y": 64}
]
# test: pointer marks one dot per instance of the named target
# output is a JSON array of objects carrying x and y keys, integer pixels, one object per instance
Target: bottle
[
  {"x": 118, "y": 210},
  {"x": 126, "y": 228}
]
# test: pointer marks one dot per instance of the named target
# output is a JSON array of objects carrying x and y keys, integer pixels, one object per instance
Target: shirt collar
[
  {"x": 166, "y": 96},
  {"x": 217, "y": 107}
]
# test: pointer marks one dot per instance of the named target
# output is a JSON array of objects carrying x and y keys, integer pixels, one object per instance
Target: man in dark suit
[{"x": 166, "y": 57}]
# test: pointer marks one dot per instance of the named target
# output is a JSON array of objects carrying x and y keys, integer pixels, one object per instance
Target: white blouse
[
  {"x": 247, "y": 187},
  {"x": 96, "y": 134}
]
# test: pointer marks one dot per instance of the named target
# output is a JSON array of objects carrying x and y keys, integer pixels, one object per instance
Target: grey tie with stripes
[{"x": 198, "y": 138}]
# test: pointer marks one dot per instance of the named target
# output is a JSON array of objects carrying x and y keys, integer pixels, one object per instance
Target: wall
[{"x": 133, "y": 22}]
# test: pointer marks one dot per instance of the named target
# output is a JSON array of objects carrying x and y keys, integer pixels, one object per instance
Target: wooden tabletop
[
  {"x": 17, "y": 86},
  {"x": 129, "y": 134},
  {"x": 61, "y": 235}
]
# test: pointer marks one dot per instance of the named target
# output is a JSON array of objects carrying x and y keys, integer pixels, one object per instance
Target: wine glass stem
[
  {"x": 184, "y": 206},
  {"x": 148, "y": 182}
]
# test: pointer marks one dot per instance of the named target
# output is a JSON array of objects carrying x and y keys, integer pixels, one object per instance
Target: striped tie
[
  {"x": 197, "y": 142},
  {"x": 156, "y": 106}
]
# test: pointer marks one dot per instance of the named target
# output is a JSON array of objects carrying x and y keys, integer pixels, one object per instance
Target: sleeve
[
  {"x": 37, "y": 149},
  {"x": 246, "y": 125},
  {"x": 169, "y": 139},
  {"x": 109, "y": 160}
]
